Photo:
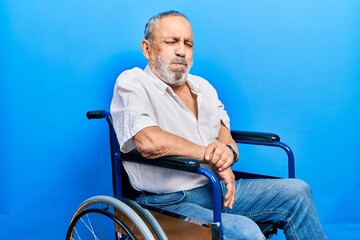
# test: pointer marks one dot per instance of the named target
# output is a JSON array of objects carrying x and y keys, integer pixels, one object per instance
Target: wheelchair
[{"x": 122, "y": 218}]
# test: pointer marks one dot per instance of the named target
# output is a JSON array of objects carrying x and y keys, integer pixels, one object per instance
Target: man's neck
[{"x": 178, "y": 90}]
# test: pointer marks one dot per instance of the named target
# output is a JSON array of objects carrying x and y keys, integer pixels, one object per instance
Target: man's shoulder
[
  {"x": 132, "y": 73},
  {"x": 131, "y": 76}
]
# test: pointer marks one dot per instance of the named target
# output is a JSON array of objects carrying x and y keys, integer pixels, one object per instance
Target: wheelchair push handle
[{"x": 97, "y": 114}]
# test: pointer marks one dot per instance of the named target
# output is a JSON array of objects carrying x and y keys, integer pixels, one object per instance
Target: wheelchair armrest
[
  {"x": 97, "y": 114},
  {"x": 266, "y": 139},
  {"x": 176, "y": 163},
  {"x": 254, "y": 136}
]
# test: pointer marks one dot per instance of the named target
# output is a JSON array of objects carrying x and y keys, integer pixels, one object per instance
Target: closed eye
[
  {"x": 171, "y": 40},
  {"x": 189, "y": 44}
]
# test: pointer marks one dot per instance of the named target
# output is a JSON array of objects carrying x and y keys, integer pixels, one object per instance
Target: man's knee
[
  {"x": 298, "y": 194},
  {"x": 298, "y": 189}
]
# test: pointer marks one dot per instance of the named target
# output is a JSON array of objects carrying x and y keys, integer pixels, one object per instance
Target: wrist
[
  {"x": 233, "y": 152},
  {"x": 201, "y": 155}
]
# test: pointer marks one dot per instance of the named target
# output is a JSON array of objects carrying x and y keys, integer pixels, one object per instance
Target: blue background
[{"x": 290, "y": 67}]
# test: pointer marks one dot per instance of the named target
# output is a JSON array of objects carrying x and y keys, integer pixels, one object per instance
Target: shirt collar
[{"x": 157, "y": 81}]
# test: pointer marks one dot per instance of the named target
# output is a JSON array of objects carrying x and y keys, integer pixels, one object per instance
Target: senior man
[{"x": 163, "y": 110}]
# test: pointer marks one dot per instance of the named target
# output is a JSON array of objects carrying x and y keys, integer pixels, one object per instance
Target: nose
[{"x": 180, "y": 50}]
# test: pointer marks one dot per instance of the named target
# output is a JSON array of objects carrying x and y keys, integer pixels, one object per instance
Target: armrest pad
[
  {"x": 254, "y": 136},
  {"x": 176, "y": 163},
  {"x": 97, "y": 114}
]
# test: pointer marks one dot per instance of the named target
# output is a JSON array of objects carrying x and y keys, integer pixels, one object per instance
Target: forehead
[{"x": 173, "y": 26}]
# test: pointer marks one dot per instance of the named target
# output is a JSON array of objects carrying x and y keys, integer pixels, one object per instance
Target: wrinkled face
[{"x": 170, "y": 49}]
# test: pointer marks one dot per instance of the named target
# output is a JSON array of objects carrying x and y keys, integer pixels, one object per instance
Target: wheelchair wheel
[
  {"x": 104, "y": 217},
  {"x": 148, "y": 218}
]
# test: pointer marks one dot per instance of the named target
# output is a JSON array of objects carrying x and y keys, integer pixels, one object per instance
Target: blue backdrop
[{"x": 290, "y": 67}]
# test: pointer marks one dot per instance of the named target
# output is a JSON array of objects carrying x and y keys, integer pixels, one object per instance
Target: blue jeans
[{"x": 287, "y": 202}]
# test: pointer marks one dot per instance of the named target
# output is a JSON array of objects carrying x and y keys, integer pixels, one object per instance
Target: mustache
[{"x": 179, "y": 60}]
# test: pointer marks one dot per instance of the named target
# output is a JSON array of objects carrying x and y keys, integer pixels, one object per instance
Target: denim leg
[
  {"x": 197, "y": 203},
  {"x": 287, "y": 202},
  {"x": 233, "y": 226}
]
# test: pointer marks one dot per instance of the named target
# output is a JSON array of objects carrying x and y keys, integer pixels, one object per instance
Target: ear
[{"x": 145, "y": 47}]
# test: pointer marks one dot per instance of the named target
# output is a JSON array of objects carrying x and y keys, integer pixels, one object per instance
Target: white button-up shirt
[{"x": 141, "y": 100}]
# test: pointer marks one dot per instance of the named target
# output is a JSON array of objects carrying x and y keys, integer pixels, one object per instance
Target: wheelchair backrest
[{"x": 120, "y": 181}]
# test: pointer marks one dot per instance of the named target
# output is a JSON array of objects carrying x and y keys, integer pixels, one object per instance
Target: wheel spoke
[{"x": 104, "y": 217}]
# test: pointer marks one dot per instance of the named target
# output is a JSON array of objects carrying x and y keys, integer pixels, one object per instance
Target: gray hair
[{"x": 150, "y": 24}]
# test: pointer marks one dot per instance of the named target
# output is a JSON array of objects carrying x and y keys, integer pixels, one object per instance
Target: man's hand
[
  {"x": 220, "y": 158},
  {"x": 218, "y": 155},
  {"x": 229, "y": 179}
]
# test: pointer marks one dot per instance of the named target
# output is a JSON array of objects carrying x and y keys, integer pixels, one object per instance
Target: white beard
[{"x": 169, "y": 76}]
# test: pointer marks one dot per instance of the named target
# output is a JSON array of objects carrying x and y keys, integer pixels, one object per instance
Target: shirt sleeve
[
  {"x": 130, "y": 110},
  {"x": 213, "y": 95},
  {"x": 224, "y": 117}
]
